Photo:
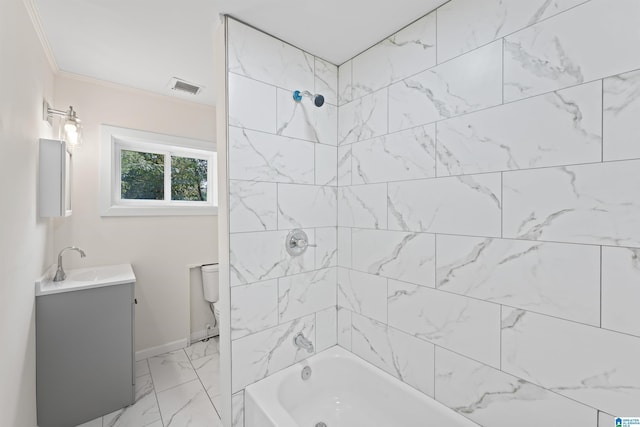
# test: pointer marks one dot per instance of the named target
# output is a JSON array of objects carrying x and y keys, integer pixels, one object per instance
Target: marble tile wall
[
  {"x": 283, "y": 174},
  {"x": 488, "y": 243}
]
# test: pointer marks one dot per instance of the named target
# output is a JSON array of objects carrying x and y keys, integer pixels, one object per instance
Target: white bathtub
[{"x": 343, "y": 391}]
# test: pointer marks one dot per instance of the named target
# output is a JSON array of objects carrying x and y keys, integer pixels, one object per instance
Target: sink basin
[{"x": 85, "y": 278}]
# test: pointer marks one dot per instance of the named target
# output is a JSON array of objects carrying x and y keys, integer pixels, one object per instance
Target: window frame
[{"x": 115, "y": 139}]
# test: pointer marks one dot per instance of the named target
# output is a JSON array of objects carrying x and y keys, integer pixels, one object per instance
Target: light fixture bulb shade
[{"x": 72, "y": 129}]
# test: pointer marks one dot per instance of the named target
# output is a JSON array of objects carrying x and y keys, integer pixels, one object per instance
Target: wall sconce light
[{"x": 70, "y": 130}]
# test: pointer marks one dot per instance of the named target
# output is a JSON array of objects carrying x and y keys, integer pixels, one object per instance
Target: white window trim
[{"x": 115, "y": 139}]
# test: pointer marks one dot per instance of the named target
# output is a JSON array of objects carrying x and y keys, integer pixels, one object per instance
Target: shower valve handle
[{"x": 297, "y": 242}]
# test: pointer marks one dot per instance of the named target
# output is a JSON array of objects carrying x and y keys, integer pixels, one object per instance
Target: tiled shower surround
[{"x": 473, "y": 185}]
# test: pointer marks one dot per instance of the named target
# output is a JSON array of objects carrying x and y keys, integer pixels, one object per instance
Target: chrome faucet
[
  {"x": 301, "y": 342},
  {"x": 60, "y": 274}
]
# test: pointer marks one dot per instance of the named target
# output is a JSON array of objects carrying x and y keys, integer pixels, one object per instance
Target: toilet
[{"x": 211, "y": 288}]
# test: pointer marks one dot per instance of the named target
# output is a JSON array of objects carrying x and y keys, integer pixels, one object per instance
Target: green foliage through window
[
  {"x": 143, "y": 177},
  {"x": 188, "y": 179}
]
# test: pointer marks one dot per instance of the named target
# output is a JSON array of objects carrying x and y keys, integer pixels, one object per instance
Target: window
[{"x": 151, "y": 174}]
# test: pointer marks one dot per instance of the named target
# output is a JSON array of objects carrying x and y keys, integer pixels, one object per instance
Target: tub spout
[{"x": 301, "y": 342}]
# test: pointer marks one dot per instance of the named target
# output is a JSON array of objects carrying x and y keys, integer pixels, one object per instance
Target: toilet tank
[{"x": 210, "y": 282}]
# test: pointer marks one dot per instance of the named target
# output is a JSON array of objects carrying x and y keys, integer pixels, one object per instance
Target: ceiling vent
[{"x": 186, "y": 87}]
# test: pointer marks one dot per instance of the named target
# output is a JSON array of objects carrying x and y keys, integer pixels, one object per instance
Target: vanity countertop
[{"x": 85, "y": 278}]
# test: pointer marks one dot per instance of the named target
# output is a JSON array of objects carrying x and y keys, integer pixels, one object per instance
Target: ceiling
[{"x": 144, "y": 43}]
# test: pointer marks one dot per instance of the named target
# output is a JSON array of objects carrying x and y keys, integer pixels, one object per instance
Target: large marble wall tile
[
  {"x": 363, "y": 206},
  {"x": 327, "y": 249},
  {"x": 344, "y": 247},
  {"x": 591, "y": 365},
  {"x": 559, "y": 128},
  {"x": 260, "y": 355},
  {"x": 251, "y": 104},
  {"x": 344, "y": 165},
  {"x": 461, "y": 324},
  {"x": 252, "y": 206},
  {"x": 492, "y": 398},
  {"x": 345, "y": 83},
  {"x": 363, "y": 118},
  {"x": 362, "y": 293},
  {"x": 466, "y": 84},
  {"x": 255, "y": 54},
  {"x": 606, "y": 420},
  {"x": 409, "y": 257},
  {"x": 572, "y": 48},
  {"x": 254, "y": 308},
  {"x": 621, "y": 111},
  {"x": 344, "y": 328},
  {"x": 399, "y": 156},
  {"x": 621, "y": 289},
  {"x": 237, "y": 409},
  {"x": 306, "y": 206},
  {"x": 326, "y": 75},
  {"x": 259, "y": 156},
  {"x": 326, "y": 328},
  {"x": 306, "y": 293},
  {"x": 326, "y": 165},
  {"x": 464, "y": 25},
  {"x": 595, "y": 204},
  {"x": 409, "y": 51},
  {"x": 306, "y": 121},
  {"x": 262, "y": 255},
  {"x": 459, "y": 205},
  {"x": 405, "y": 357},
  {"x": 561, "y": 280}
]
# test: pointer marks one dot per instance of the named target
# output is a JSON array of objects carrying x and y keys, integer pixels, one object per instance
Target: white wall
[
  {"x": 489, "y": 198},
  {"x": 25, "y": 240},
  {"x": 160, "y": 248}
]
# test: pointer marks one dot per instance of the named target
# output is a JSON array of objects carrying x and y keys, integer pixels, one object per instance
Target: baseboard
[
  {"x": 200, "y": 335},
  {"x": 161, "y": 349}
]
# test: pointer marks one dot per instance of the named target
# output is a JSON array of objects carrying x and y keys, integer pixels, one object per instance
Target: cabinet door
[{"x": 84, "y": 354}]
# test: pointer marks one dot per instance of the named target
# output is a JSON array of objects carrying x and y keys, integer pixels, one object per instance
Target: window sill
[{"x": 159, "y": 211}]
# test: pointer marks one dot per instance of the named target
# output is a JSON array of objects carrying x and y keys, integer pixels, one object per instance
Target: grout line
[
  {"x": 436, "y": 24},
  {"x": 155, "y": 391},
  {"x": 501, "y": 205},
  {"x": 435, "y": 261},
  {"x": 195, "y": 371},
  {"x": 557, "y": 242},
  {"x": 264, "y": 132},
  {"x": 500, "y": 350},
  {"x": 456, "y": 176},
  {"x": 504, "y": 41},
  {"x": 602, "y": 124},
  {"x": 600, "y": 286}
]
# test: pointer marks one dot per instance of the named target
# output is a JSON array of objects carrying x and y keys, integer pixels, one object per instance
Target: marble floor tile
[
  {"x": 171, "y": 369},
  {"x": 187, "y": 405},
  {"x": 208, "y": 370},
  {"x": 143, "y": 412}
]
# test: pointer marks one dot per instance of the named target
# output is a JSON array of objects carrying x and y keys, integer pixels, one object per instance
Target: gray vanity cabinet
[{"x": 85, "y": 354}]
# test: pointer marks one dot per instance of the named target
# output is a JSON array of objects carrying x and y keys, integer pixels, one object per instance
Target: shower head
[{"x": 318, "y": 100}]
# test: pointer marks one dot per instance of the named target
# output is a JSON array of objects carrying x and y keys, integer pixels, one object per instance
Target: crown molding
[{"x": 34, "y": 15}]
